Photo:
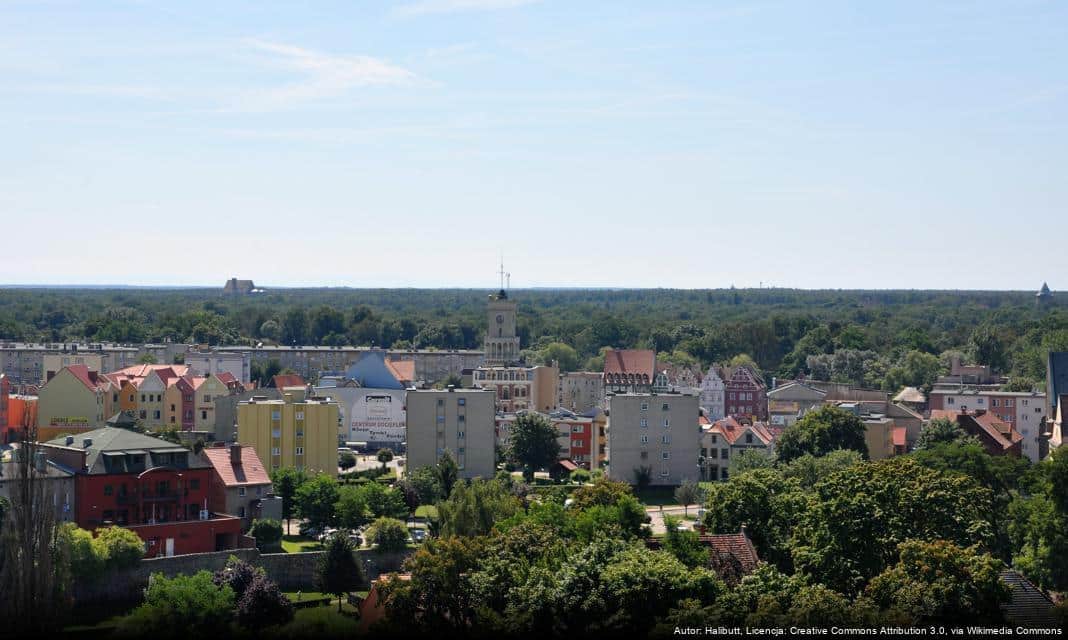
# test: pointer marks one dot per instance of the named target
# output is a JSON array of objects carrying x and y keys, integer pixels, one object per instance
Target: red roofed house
[
  {"x": 731, "y": 555},
  {"x": 997, "y": 436},
  {"x": 371, "y": 608},
  {"x": 155, "y": 488},
  {"x": 241, "y": 484},
  {"x": 73, "y": 400},
  {"x": 402, "y": 370},
  {"x": 726, "y": 438},
  {"x": 629, "y": 370}
]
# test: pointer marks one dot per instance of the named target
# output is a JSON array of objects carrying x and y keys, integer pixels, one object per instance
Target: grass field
[
  {"x": 427, "y": 511},
  {"x": 656, "y": 496},
  {"x": 300, "y": 544}
]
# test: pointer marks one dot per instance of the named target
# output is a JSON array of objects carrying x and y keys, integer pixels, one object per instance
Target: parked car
[
  {"x": 418, "y": 535},
  {"x": 309, "y": 531},
  {"x": 356, "y": 540}
]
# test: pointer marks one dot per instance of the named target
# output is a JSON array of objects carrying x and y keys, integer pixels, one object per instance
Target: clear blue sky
[{"x": 680, "y": 144}]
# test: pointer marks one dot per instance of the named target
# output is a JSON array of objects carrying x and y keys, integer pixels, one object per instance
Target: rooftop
[{"x": 248, "y": 471}]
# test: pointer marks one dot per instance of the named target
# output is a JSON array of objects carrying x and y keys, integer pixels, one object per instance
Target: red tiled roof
[
  {"x": 90, "y": 379},
  {"x": 899, "y": 436},
  {"x": 996, "y": 430},
  {"x": 226, "y": 377},
  {"x": 736, "y": 545},
  {"x": 282, "y": 381},
  {"x": 250, "y": 471},
  {"x": 402, "y": 370},
  {"x": 640, "y": 362}
]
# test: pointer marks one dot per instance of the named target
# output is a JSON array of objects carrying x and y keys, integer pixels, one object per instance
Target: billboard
[{"x": 371, "y": 415}]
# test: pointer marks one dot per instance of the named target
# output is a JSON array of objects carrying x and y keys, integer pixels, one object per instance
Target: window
[
  {"x": 441, "y": 402},
  {"x": 645, "y": 406},
  {"x": 462, "y": 402},
  {"x": 241, "y": 510},
  {"x": 578, "y": 428},
  {"x": 667, "y": 422},
  {"x": 194, "y": 484},
  {"x": 644, "y": 455},
  {"x": 665, "y": 455},
  {"x": 645, "y": 439},
  {"x": 664, "y": 470},
  {"x": 203, "y": 415},
  {"x": 299, "y": 415},
  {"x": 951, "y": 400},
  {"x": 994, "y": 402},
  {"x": 276, "y": 415},
  {"x": 723, "y": 473},
  {"x": 666, "y": 439},
  {"x": 644, "y": 422},
  {"x": 1038, "y": 409},
  {"x": 461, "y": 418},
  {"x": 980, "y": 401},
  {"x": 241, "y": 492},
  {"x": 275, "y": 451},
  {"x": 749, "y": 438},
  {"x": 108, "y": 490},
  {"x": 724, "y": 453},
  {"x": 300, "y": 451},
  {"x": 208, "y": 399},
  {"x": 665, "y": 407},
  {"x": 460, "y": 434},
  {"x": 155, "y": 414}
]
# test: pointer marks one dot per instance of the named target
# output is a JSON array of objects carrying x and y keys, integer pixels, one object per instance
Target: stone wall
[{"x": 292, "y": 571}]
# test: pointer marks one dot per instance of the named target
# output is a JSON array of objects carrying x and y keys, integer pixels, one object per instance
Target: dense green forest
[{"x": 874, "y": 338}]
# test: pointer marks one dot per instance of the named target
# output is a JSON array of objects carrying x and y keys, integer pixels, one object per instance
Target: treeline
[{"x": 874, "y": 338}]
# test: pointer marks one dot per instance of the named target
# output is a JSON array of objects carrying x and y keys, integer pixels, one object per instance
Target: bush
[
  {"x": 86, "y": 565},
  {"x": 119, "y": 548},
  {"x": 268, "y": 534},
  {"x": 389, "y": 534},
  {"x": 263, "y": 605},
  {"x": 238, "y": 575},
  {"x": 581, "y": 476},
  {"x": 180, "y": 607},
  {"x": 346, "y": 461}
]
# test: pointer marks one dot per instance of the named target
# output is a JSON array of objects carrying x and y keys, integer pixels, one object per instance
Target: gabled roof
[
  {"x": 796, "y": 389},
  {"x": 284, "y": 380},
  {"x": 402, "y": 370},
  {"x": 736, "y": 546},
  {"x": 1057, "y": 375},
  {"x": 1029, "y": 606},
  {"x": 628, "y": 364},
  {"x": 987, "y": 425},
  {"x": 732, "y": 430},
  {"x": 374, "y": 372},
  {"x": 250, "y": 471},
  {"x": 91, "y": 379},
  {"x": 111, "y": 440},
  {"x": 910, "y": 394}
]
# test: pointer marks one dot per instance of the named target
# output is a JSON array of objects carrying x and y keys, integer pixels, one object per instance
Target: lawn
[
  {"x": 300, "y": 544},
  {"x": 319, "y": 622},
  {"x": 656, "y": 496},
  {"x": 427, "y": 511}
]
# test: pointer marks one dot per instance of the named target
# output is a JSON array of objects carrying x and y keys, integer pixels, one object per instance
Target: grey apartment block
[
  {"x": 658, "y": 431},
  {"x": 460, "y": 421}
]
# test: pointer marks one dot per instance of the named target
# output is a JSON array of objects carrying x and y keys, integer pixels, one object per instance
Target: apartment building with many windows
[
  {"x": 291, "y": 432},
  {"x": 655, "y": 432},
  {"x": 460, "y": 421}
]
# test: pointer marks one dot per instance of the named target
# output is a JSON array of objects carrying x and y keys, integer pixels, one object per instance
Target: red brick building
[
  {"x": 155, "y": 488},
  {"x": 997, "y": 436},
  {"x": 745, "y": 394}
]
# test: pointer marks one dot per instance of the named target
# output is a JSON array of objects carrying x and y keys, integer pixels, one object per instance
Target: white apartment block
[
  {"x": 460, "y": 421},
  {"x": 1024, "y": 411}
]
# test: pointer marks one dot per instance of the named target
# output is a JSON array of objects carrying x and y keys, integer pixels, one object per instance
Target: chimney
[
  {"x": 40, "y": 462},
  {"x": 452, "y": 388},
  {"x": 69, "y": 441},
  {"x": 87, "y": 442},
  {"x": 235, "y": 453},
  {"x": 980, "y": 412}
]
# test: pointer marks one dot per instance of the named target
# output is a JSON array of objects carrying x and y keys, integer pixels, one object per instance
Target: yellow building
[
  {"x": 74, "y": 400},
  {"x": 291, "y": 433},
  {"x": 204, "y": 402}
]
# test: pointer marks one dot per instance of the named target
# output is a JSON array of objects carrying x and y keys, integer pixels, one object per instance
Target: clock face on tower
[{"x": 500, "y": 319}]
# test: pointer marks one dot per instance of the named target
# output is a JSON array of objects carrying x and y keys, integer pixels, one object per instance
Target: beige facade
[
  {"x": 25, "y": 363},
  {"x": 460, "y": 421},
  {"x": 291, "y": 433},
  {"x": 520, "y": 388},
  {"x": 502, "y": 341},
  {"x": 580, "y": 391},
  {"x": 66, "y": 400},
  {"x": 655, "y": 431},
  {"x": 205, "y": 396}
]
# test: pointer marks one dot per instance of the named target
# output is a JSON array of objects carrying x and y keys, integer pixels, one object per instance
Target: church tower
[{"x": 502, "y": 342}]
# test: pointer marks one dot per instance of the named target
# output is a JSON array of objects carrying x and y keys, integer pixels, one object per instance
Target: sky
[{"x": 604, "y": 144}]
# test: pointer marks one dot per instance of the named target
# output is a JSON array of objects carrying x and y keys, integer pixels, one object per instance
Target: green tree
[
  {"x": 472, "y": 509},
  {"x": 438, "y": 594},
  {"x": 602, "y": 491},
  {"x": 533, "y": 443},
  {"x": 563, "y": 354},
  {"x": 916, "y": 369},
  {"x": 315, "y": 501},
  {"x": 747, "y": 459},
  {"x": 446, "y": 472},
  {"x": 384, "y": 456},
  {"x": 268, "y": 534},
  {"x": 884, "y": 503},
  {"x": 763, "y": 501},
  {"x": 687, "y": 493},
  {"x": 821, "y": 431},
  {"x": 338, "y": 572},
  {"x": 808, "y": 470},
  {"x": 643, "y": 477},
  {"x": 85, "y": 564},
  {"x": 286, "y": 481},
  {"x": 346, "y": 460},
  {"x": 351, "y": 508},
  {"x": 938, "y": 581},
  {"x": 943, "y": 431},
  {"x": 118, "y": 547},
  {"x": 684, "y": 544},
  {"x": 180, "y": 606},
  {"x": 389, "y": 535},
  {"x": 426, "y": 484}
]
